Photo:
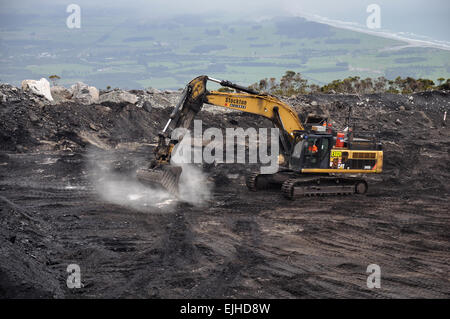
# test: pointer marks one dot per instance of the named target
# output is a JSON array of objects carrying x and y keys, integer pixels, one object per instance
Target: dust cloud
[
  {"x": 116, "y": 183},
  {"x": 114, "y": 180},
  {"x": 194, "y": 187}
]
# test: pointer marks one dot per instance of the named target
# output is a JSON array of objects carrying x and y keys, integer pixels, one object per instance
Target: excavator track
[
  {"x": 257, "y": 181},
  {"x": 322, "y": 186}
]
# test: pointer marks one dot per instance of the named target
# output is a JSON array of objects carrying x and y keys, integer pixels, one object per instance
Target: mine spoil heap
[{"x": 238, "y": 244}]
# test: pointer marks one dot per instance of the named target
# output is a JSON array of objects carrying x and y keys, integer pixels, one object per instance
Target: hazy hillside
[{"x": 132, "y": 53}]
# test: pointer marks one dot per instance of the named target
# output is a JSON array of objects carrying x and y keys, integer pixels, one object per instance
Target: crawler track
[
  {"x": 293, "y": 185},
  {"x": 322, "y": 186}
]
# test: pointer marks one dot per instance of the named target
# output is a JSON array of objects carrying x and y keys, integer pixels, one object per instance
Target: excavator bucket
[{"x": 164, "y": 177}]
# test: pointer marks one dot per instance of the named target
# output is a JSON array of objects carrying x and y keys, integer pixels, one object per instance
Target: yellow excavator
[{"x": 313, "y": 159}]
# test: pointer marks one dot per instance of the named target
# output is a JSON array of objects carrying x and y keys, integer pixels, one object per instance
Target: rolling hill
[{"x": 135, "y": 53}]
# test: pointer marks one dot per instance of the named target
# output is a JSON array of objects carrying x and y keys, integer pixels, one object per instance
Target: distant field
[{"x": 135, "y": 54}]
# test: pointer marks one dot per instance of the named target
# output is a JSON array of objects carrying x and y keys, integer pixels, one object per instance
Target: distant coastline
[{"x": 400, "y": 36}]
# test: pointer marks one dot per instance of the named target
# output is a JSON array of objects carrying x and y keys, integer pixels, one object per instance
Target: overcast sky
[{"x": 429, "y": 18}]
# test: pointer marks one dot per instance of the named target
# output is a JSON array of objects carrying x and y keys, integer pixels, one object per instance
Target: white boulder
[
  {"x": 118, "y": 97},
  {"x": 41, "y": 88},
  {"x": 151, "y": 90},
  {"x": 84, "y": 93}
]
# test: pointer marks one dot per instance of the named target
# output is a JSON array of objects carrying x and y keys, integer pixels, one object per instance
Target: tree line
[{"x": 292, "y": 83}]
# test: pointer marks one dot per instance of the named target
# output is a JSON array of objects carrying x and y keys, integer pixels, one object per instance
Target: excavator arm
[{"x": 195, "y": 95}]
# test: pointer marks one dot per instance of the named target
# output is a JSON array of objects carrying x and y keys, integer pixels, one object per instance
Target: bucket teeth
[{"x": 161, "y": 177}]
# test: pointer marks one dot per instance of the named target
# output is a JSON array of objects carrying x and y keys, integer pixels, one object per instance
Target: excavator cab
[{"x": 312, "y": 152}]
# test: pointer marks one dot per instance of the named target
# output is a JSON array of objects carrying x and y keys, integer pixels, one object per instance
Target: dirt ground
[{"x": 56, "y": 209}]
